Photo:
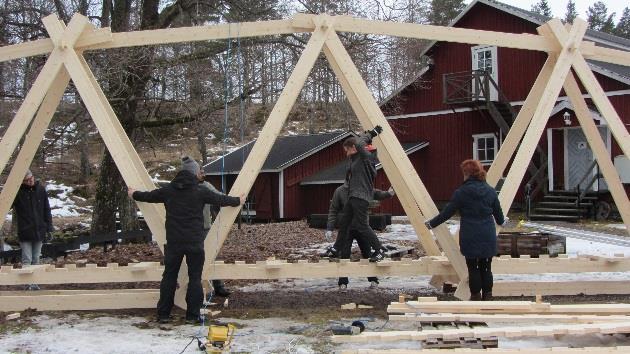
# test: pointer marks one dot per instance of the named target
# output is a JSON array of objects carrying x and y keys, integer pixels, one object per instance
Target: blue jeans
[{"x": 31, "y": 251}]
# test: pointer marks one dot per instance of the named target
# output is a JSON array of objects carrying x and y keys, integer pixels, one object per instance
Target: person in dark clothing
[
  {"x": 479, "y": 208},
  {"x": 209, "y": 211},
  {"x": 33, "y": 217},
  {"x": 361, "y": 174},
  {"x": 339, "y": 199},
  {"x": 184, "y": 201}
]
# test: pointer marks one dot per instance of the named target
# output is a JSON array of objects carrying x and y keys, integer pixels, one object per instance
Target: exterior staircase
[
  {"x": 473, "y": 89},
  {"x": 564, "y": 205}
]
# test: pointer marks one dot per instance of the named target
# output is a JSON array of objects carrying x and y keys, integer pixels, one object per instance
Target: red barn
[
  {"x": 461, "y": 106},
  {"x": 465, "y": 100}
]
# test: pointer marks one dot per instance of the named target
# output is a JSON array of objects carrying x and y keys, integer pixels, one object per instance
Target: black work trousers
[
  {"x": 479, "y": 275},
  {"x": 173, "y": 255},
  {"x": 355, "y": 217},
  {"x": 365, "y": 248}
]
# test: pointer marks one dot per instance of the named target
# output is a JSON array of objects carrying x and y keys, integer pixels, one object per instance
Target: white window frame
[
  {"x": 495, "y": 65},
  {"x": 476, "y": 138}
]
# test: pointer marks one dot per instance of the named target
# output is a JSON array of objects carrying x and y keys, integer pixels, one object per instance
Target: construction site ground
[{"x": 271, "y": 316}]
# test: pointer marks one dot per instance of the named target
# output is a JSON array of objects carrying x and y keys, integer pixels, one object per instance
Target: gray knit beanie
[
  {"x": 28, "y": 174},
  {"x": 190, "y": 165}
]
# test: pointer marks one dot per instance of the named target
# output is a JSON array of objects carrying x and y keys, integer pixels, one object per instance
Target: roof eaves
[
  {"x": 405, "y": 85},
  {"x": 408, "y": 151},
  {"x": 325, "y": 144},
  {"x": 611, "y": 74}
]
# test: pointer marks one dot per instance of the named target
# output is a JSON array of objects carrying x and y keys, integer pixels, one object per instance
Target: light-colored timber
[
  {"x": 508, "y": 318},
  {"x": 506, "y": 307},
  {"x": 485, "y": 332},
  {"x": 64, "y": 300},
  {"x": 554, "y": 350},
  {"x": 566, "y": 50},
  {"x": 281, "y": 269}
]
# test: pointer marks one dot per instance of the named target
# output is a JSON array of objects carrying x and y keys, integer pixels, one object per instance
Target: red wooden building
[{"x": 460, "y": 107}]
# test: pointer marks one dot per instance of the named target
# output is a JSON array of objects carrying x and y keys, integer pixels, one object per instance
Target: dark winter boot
[
  {"x": 331, "y": 252},
  {"x": 475, "y": 297},
  {"x": 219, "y": 289},
  {"x": 377, "y": 256},
  {"x": 487, "y": 296}
]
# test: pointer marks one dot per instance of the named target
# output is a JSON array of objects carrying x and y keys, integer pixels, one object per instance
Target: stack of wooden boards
[{"x": 464, "y": 318}]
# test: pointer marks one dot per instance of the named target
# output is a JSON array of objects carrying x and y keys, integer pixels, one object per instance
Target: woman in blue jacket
[{"x": 479, "y": 208}]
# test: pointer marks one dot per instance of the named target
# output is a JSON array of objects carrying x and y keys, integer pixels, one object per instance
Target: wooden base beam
[{"x": 281, "y": 269}]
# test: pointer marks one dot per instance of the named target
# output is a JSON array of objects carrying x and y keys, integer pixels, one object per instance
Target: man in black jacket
[
  {"x": 33, "y": 219},
  {"x": 339, "y": 200},
  {"x": 361, "y": 175},
  {"x": 184, "y": 201}
]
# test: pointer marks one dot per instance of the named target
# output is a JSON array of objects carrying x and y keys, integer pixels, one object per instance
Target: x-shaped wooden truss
[{"x": 565, "y": 47}]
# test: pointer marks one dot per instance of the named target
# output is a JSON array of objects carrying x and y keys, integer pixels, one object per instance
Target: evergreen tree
[
  {"x": 444, "y": 11},
  {"x": 542, "y": 7},
  {"x": 571, "y": 12},
  {"x": 598, "y": 18},
  {"x": 623, "y": 26}
]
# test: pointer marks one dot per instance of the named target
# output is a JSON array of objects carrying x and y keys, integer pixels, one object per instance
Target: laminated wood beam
[
  {"x": 599, "y": 149},
  {"x": 541, "y": 115},
  {"x": 524, "y": 117},
  {"x": 114, "y": 136},
  {"x": 554, "y": 350},
  {"x": 509, "y": 318},
  {"x": 605, "y": 108},
  {"x": 32, "y": 141},
  {"x": 267, "y": 137},
  {"x": 67, "y": 300},
  {"x": 504, "y": 307},
  {"x": 29, "y": 107},
  {"x": 398, "y": 168},
  {"x": 281, "y": 269},
  {"x": 45, "y": 46},
  {"x": 575, "y": 287},
  {"x": 485, "y": 332},
  {"x": 437, "y": 33}
]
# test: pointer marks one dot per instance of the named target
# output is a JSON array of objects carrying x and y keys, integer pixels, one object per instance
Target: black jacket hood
[{"x": 184, "y": 180}]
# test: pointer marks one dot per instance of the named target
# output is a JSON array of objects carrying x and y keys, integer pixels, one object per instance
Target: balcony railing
[{"x": 466, "y": 87}]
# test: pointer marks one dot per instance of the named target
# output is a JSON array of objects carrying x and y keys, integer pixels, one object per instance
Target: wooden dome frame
[{"x": 566, "y": 50}]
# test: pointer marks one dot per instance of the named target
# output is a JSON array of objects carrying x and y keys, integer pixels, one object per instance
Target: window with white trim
[{"x": 485, "y": 148}]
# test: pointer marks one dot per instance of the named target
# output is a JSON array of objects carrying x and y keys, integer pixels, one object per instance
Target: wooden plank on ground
[
  {"x": 484, "y": 332},
  {"x": 554, "y": 350},
  {"x": 79, "y": 300},
  {"x": 506, "y": 307},
  {"x": 508, "y": 318}
]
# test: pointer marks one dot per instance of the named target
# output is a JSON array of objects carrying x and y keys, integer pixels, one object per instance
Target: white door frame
[
  {"x": 566, "y": 152},
  {"x": 495, "y": 65}
]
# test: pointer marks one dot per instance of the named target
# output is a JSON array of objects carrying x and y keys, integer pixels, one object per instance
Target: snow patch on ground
[
  {"x": 76, "y": 334},
  {"x": 62, "y": 204}
]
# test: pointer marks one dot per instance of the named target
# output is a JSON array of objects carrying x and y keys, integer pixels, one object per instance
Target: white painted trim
[
  {"x": 550, "y": 158},
  {"x": 475, "y": 50},
  {"x": 513, "y": 103},
  {"x": 476, "y": 137},
  {"x": 566, "y": 158},
  {"x": 281, "y": 194}
]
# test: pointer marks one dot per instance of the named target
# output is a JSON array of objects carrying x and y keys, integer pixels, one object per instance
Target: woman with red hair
[{"x": 479, "y": 208}]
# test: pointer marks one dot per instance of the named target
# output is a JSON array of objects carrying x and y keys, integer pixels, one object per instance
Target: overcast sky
[{"x": 559, "y": 7}]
